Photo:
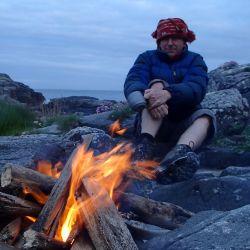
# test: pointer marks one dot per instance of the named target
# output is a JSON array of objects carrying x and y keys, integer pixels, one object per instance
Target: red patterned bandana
[{"x": 173, "y": 27}]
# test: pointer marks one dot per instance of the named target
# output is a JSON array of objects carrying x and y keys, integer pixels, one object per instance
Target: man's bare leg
[
  {"x": 176, "y": 167},
  {"x": 195, "y": 135},
  {"x": 148, "y": 124}
]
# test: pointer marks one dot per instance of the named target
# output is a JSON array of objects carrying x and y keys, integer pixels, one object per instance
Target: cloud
[{"x": 94, "y": 43}]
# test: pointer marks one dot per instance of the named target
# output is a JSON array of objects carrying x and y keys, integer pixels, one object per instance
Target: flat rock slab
[
  {"x": 221, "y": 158},
  {"x": 208, "y": 230},
  {"x": 21, "y": 149},
  {"x": 213, "y": 193}
]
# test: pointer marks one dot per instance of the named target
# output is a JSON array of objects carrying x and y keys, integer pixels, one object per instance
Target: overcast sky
[{"x": 91, "y": 44}]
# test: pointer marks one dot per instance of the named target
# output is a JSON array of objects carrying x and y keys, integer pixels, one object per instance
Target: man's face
[{"x": 173, "y": 46}]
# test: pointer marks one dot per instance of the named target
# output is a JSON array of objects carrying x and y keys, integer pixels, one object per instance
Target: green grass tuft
[
  {"x": 14, "y": 118},
  {"x": 65, "y": 122}
]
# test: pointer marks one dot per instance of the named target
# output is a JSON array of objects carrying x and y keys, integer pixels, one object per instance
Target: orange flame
[
  {"x": 108, "y": 169},
  {"x": 32, "y": 219},
  {"x": 37, "y": 194},
  {"x": 45, "y": 167},
  {"x": 115, "y": 128}
]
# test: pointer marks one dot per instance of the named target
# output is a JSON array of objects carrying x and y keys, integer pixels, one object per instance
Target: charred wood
[
  {"x": 12, "y": 205},
  {"x": 13, "y": 178},
  {"x": 76, "y": 229},
  {"x": 4, "y": 246},
  {"x": 162, "y": 214},
  {"x": 53, "y": 208},
  {"x": 144, "y": 231},
  {"x": 39, "y": 241},
  {"x": 56, "y": 200},
  {"x": 10, "y": 232}
]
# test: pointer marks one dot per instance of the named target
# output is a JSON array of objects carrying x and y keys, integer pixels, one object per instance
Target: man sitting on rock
[{"x": 166, "y": 87}]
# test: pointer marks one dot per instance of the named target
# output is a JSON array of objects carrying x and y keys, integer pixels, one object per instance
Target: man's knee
[{"x": 204, "y": 121}]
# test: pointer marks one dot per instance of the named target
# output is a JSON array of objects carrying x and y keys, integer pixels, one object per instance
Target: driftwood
[
  {"x": 13, "y": 178},
  {"x": 144, "y": 231},
  {"x": 4, "y": 246},
  {"x": 12, "y": 205},
  {"x": 39, "y": 241},
  {"x": 162, "y": 214},
  {"x": 58, "y": 196},
  {"x": 104, "y": 224},
  {"x": 10, "y": 232}
]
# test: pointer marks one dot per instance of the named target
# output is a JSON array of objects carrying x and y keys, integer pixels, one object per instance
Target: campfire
[{"x": 78, "y": 205}]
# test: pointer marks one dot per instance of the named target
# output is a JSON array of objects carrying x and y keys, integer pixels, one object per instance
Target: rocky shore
[{"x": 218, "y": 194}]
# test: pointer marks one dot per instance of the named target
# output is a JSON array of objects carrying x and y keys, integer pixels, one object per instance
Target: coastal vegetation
[
  {"x": 237, "y": 143},
  {"x": 64, "y": 122},
  {"x": 15, "y": 118},
  {"x": 121, "y": 111}
]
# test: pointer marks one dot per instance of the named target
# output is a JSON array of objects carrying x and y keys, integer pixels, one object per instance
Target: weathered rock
[
  {"x": 231, "y": 110},
  {"x": 50, "y": 153},
  {"x": 218, "y": 193},
  {"x": 20, "y": 150},
  {"x": 77, "y": 133},
  {"x": 101, "y": 142},
  {"x": 231, "y": 75},
  {"x": 208, "y": 230},
  {"x": 221, "y": 158},
  {"x": 27, "y": 150},
  {"x": 20, "y": 92},
  {"x": 103, "y": 121},
  {"x": 52, "y": 129},
  {"x": 82, "y": 104},
  {"x": 236, "y": 171},
  {"x": 100, "y": 120}
]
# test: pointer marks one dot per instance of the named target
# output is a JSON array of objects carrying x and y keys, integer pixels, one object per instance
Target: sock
[{"x": 148, "y": 136}]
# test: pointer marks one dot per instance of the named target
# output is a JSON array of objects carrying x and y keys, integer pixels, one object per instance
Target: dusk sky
[{"x": 82, "y": 44}]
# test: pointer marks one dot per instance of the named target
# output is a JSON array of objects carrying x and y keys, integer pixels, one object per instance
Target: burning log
[
  {"x": 162, "y": 214},
  {"x": 53, "y": 208},
  {"x": 82, "y": 241},
  {"x": 56, "y": 200},
  {"x": 39, "y": 241},
  {"x": 14, "y": 177},
  {"x": 4, "y": 246},
  {"x": 105, "y": 226},
  {"x": 10, "y": 232},
  {"x": 12, "y": 205}
]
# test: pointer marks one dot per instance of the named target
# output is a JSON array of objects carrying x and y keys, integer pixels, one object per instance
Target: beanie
[{"x": 173, "y": 27}]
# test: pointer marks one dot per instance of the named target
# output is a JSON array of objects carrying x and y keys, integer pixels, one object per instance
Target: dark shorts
[{"x": 171, "y": 131}]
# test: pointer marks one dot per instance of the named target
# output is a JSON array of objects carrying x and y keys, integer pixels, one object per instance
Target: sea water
[{"x": 100, "y": 94}]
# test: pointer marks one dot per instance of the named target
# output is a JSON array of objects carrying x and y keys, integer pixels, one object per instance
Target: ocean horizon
[{"x": 49, "y": 94}]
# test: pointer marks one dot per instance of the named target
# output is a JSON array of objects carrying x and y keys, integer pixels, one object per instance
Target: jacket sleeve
[
  {"x": 138, "y": 76},
  {"x": 192, "y": 89}
]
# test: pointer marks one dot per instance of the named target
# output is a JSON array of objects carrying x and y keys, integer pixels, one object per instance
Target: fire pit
[{"x": 78, "y": 207}]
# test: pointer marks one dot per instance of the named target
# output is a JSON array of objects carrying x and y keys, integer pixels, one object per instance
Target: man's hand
[
  {"x": 157, "y": 85},
  {"x": 159, "y": 112},
  {"x": 156, "y": 97}
]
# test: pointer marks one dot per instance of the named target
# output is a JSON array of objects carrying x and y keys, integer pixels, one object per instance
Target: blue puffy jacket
[{"x": 186, "y": 77}]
